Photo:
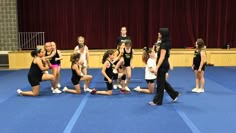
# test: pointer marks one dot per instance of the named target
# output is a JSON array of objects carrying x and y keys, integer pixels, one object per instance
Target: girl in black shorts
[
  {"x": 77, "y": 75},
  {"x": 199, "y": 64},
  {"x": 107, "y": 72},
  {"x": 36, "y": 75}
]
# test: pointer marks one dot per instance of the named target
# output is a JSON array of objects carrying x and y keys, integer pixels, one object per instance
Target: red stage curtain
[{"x": 100, "y": 21}]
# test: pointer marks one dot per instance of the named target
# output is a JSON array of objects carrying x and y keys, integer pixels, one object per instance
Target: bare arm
[
  {"x": 116, "y": 56},
  {"x": 131, "y": 60},
  {"x": 51, "y": 55},
  {"x": 171, "y": 65},
  {"x": 76, "y": 49},
  {"x": 203, "y": 60},
  {"x": 60, "y": 55},
  {"x": 161, "y": 59},
  {"x": 77, "y": 69},
  {"x": 151, "y": 69},
  {"x": 104, "y": 67},
  {"x": 87, "y": 55}
]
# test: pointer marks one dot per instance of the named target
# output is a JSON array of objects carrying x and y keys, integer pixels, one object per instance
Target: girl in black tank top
[
  {"x": 36, "y": 75},
  {"x": 107, "y": 72},
  {"x": 77, "y": 76},
  {"x": 126, "y": 61},
  {"x": 199, "y": 63},
  {"x": 118, "y": 54}
]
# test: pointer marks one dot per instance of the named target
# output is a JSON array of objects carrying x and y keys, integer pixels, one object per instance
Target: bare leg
[
  {"x": 34, "y": 92},
  {"x": 149, "y": 90},
  {"x": 202, "y": 79},
  {"x": 121, "y": 61},
  {"x": 196, "y": 78},
  {"x": 128, "y": 74},
  {"x": 84, "y": 71},
  {"x": 77, "y": 89},
  {"x": 58, "y": 78},
  {"x": 54, "y": 72},
  {"x": 87, "y": 79},
  {"x": 50, "y": 77},
  {"x": 108, "y": 92}
]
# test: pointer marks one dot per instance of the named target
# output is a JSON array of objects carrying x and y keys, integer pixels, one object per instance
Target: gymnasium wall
[
  {"x": 178, "y": 58},
  {"x": 8, "y": 25}
]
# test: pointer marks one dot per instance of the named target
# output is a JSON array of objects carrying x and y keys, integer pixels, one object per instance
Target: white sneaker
[
  {"x": 58, "y": 85},
  {"x": 87, "y": 90},
  {"x": 119, "y": 86},
  {"x": 45, "y": 72},
  {"x": 194, "y": 89},
  {"x": 115, "y": 71},
  {"x": 115, "y": 87},
  {"x": 65, "y": 89},
  {"x": 127, "y": 88},
  {"x": 200, "y": 90},
  {"x": 138, "y": 89},
  {"x": 56, "y": 91},
  {"x": 19, "y": 91}
]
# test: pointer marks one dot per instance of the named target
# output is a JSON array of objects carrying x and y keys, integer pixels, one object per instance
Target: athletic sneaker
[
  {"x": 115, "y": 71},
  {"x": 119, "y": 86},
  {"x": 174, "y": 100},
  {"x": 152, "y": 103},
  {"x": 65, "y": 89},
  {"x": 58, "y": 85},
  {"x": 93, "y": 91},
  {"x": 127, "y": 88},
  {"x": 115, "y": 87},
  {"x": 56, "y": 91},
  {"x": 19, "y": 91},
  {"x": 138, "y": 89},
  {"x": 124, "y": 91},
  {"x": 194, "y": 89},
  {"x": 200, "y": 90},
  {"x": 87, "y": 89}
]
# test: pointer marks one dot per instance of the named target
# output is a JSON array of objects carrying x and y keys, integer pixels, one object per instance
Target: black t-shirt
[
  {"x": 165, "y": 63},
  {"x": 122, "y": 39}
]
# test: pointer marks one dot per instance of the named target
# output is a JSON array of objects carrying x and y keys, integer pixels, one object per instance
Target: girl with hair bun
[{"x": 36, "y": 75}]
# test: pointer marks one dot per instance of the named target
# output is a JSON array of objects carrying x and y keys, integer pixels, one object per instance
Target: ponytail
[
  {"x": 145, "y": 54},
  {"x": 106, "y": 55}
]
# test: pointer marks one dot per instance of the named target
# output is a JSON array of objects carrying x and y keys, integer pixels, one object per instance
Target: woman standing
[{"x": 162, "y": 68}]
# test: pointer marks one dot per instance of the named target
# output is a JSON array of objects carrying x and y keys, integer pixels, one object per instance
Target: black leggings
[{"x": 161, "y": 85}]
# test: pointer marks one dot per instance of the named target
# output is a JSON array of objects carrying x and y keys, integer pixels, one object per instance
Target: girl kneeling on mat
[
  {"x": 107, "y": 72},
  {"x": 36, "y": 75},
  {"x": 77, "y": 75},
  {"x": 149, "y": 59}
]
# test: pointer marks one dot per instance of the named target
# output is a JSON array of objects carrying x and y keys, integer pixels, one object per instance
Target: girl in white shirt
[
  {"x": 82, "y": 48},
  {"x": 149, "y": 59}
]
